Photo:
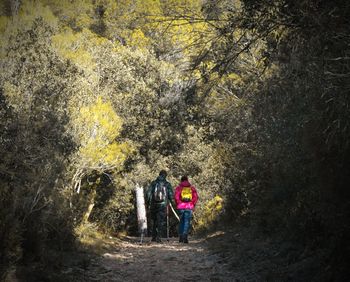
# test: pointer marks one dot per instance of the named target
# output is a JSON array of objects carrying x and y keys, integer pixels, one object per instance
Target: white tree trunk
[{"x": 141, "y": 210}]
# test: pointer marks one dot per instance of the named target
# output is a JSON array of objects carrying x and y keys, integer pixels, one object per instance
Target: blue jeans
[{"x": 185, "y": 221}]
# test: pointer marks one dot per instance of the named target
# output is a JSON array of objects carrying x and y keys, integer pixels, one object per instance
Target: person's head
[
  {"x": 163, "y": 173},
  {"x": 184, "y": 178}
]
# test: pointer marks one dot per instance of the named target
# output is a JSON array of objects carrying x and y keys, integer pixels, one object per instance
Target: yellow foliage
[
  {"x": 77, "y": 46},
  {"x": 148, "y": 7},
  {"x": 215, "y": 204},
  {"x": 234, "y": 77},
  {"x": 212, "y": 210},
  {"x": 156, "y": 18},
  {"x": 188, "y": 30},
  {"x": 103, "y": 118},
  {"x": 97, "y": 128},
  {"x": 138, "y": 39}
]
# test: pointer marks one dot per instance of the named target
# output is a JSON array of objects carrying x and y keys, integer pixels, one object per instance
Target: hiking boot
[
  {"x": 158, "y": 240},
  {"x": 185, "y": 239},
  {"x": 154, "y": 239},
  {"x": 181, "y": 239}
]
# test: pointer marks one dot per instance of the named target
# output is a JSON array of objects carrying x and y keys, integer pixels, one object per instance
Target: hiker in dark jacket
[
  {"x": 158, "y": 196},
  {"x": 186, "y": 198}
]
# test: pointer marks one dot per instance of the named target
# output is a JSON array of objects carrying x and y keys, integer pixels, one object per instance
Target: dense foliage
[{"x": 249, "y": 98}]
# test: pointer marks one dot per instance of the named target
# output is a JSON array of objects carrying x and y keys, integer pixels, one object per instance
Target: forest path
[{"x": 128, "y": 260}]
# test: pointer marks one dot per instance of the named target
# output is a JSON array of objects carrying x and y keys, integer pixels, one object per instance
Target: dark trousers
[{"x": 158, "y": 215}]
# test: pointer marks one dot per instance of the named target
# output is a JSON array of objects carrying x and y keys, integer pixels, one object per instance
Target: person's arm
[
  {"x": 177, "y": 195},
  {"x": 194, "y": 195},
  {"x": 171, "y": 195}
]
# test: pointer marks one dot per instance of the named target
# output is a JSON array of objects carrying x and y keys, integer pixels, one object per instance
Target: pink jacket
[{"x": 185, "y": 205}]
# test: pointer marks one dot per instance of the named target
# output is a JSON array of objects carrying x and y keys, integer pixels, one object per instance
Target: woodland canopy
[{"x": 248, "y": 98}]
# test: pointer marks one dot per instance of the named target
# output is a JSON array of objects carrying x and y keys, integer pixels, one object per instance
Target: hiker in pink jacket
[{"x": 186, "y": 198}]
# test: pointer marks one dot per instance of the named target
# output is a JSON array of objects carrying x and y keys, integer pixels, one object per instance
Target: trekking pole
[
  {"x": 167, "y": 222},
  {"x": 174, "y": 212}
]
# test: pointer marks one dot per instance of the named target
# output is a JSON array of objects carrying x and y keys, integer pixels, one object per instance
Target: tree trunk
[
  {"x": 90, "y": 207},
  {"x": 141, "y": 210}
]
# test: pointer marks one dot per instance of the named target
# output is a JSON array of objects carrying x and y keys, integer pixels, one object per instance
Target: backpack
[
  {"x": 159, "y": 192},
  {"x": 186, "y": 194}
]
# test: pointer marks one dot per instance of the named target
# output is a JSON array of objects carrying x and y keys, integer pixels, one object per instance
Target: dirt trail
[
  {"x": 220, "y": 256},
  {"x": 128, "y": 260}
]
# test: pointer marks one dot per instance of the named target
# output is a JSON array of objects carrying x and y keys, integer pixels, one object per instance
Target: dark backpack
[{"x": 159, "y": 192}]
